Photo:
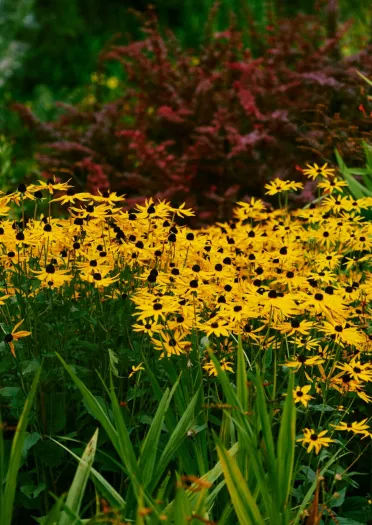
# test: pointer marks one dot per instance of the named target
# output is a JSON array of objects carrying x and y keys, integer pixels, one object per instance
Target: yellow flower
[
  {"x": 356, "y": 428},
  {"x": 302, "y": 360},
  {"x": 212, "y": 370},
  {"x": 14, "y": 336},
  {"x": 357, "y": 371},
  {"x": 300, "y": 395},
  {"x": 313, "y": 172},
  {"x": 314, "y": 440},
  {"x": 136, "y": 369},
  {"x": 279, "y": 185},
  {"x": 112, "y": 82},
  {"x": 329, "y": 186}
]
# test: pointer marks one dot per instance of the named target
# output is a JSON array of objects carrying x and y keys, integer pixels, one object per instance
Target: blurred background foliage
[{"x": 50, "y": 49}]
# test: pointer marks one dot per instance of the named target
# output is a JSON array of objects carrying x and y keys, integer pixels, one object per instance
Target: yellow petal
[{"x": 17, "y": 325}]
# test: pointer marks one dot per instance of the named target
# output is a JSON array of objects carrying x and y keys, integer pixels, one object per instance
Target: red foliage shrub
[{"x": 214, "y": 127}]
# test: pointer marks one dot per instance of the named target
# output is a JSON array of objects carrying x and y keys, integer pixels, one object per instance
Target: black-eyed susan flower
[
  {"x": 315, "y": 440},
  {"x": 356, "y": 427},
  {"x": 50, "y": 272},
  {"x": 170, "y": 344},
  {"x": 332, "y": 185},
  {"x": 315, "y": 171},
  {"x": 301, "y": 360},
  {"x": 356, "y": 370},
  {"x": 15, "y": 336},
  {"x": 147, "y": 326},
  {"x": 211, "y": 369},
  {"x": 301, "y": 395}
]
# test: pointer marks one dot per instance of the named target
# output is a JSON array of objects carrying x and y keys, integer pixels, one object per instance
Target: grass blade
[
  {"x": 125, "y": 446},
  {"x": 6, "y": 510},
  {"x": 94, "y": 406},
  {"x": 104, "y": 487},
  {"x": 245, "y": 505},
  {"x": 77, "y": 489},
  {"x": 151, "y": 444},
  {"x": 286, "y": 447},
  {"x": 175, "y": 440}
]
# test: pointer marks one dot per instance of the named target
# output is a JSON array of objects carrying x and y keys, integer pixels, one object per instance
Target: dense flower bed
[{"x": 294, "y": 286}]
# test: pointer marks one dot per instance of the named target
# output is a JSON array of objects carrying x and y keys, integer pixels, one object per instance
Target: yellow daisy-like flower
[
  {"x": 136, "y": 369},
  {"x": 355, "y": 428},
  {"x": 314, "y": 440},
  {"x": 212, "y": 370},
  {"x": 300, "y": 395},
  {"x": 302, "y": 360},
  {"x": 279, "y": 185},
  {"x": 14, "y": 336},
  {"x": 314, "y": 172},
  {"x": 356, "y": 370},
  {"x": 330, "y": 186}
]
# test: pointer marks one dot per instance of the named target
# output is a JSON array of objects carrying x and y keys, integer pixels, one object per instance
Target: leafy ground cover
[{"x": 227, "y": 368}]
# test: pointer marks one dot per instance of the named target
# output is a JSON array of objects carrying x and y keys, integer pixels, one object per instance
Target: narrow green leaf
[
  {"x": 6, "y": 509},
  {"x": 151, "y": 444},
  {"x": 249, "y": 435},
  {"x": 182, "y": 509},
  {"x": 54, "y": 515},
  {"x": 209, "y": 477},
  {"x": 245, "y": 505},
  {"x": 76, "y": 493},
  {"x": 94, "y": 406},
  {"x": 174, "y": 441},
  {"x": 241, "y": 378},
  {"x": 125, "y": 447},
  {"x": 104, "y": 487},
  {"x": 267, "y": 435},
  {"x": 358, "y": 190},
  {"x": 286, "y": 447}
]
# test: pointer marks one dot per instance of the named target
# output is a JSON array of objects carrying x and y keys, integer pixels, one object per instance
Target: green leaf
[
  {"x": 30, "y": 440},
  {"x": 338, "y": 498},
  {"x": 113, "y": 358},
  {"x": 7, "y": 503},
  {"x": 32, "y": 491},
  {"x": 54, "y": 515},
  {"x": 311, "y": 490},
  {"x": 322, "y": 408},
  {"x": 94, "y": 406},
  {"x": 182, "y": 508},
  {"x": 175, "y": 439},
  {"x": 103, "y": 486},
  {"x": 30, "y": 366},
  {"x": 358, "y": 190},
  {"x": 286, "y": 447},
  {"x": 244, "y": 503},
  {"x": 249, "y": 435},
  {"x": 77, "y": 489},
  {"x": 151, "y": 444},
  {"x": 9, "y": 391},
  {"x": 125, "y": 447},
  {"x": 348, "y": 521}
]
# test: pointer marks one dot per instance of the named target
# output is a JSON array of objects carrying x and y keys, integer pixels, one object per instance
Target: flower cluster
[{"x": 296, "y": 284}]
